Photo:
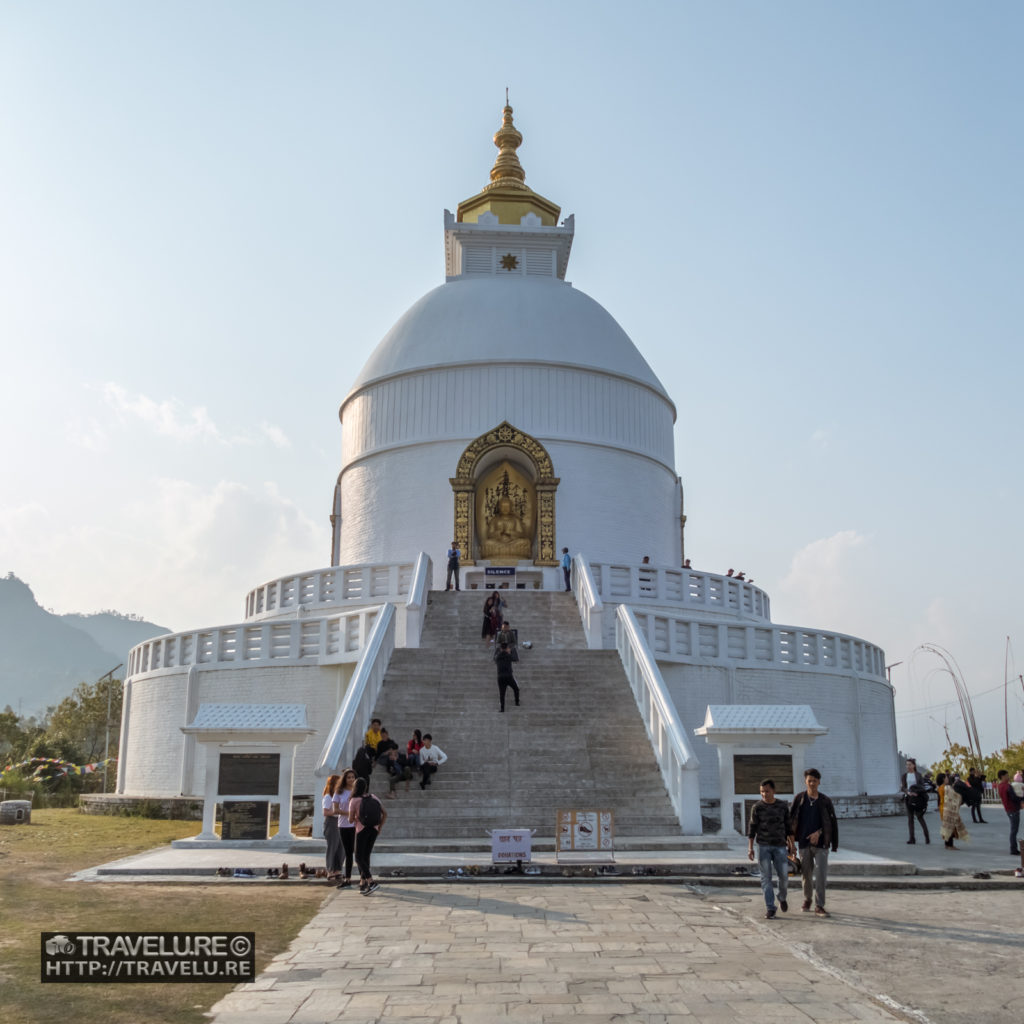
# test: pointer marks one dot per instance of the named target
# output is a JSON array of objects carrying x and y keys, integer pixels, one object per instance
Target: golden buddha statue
[{"x": 504, "y": 525}]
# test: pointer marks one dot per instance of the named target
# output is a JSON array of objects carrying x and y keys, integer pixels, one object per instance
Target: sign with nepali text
[{"x": 510, "y": 844}]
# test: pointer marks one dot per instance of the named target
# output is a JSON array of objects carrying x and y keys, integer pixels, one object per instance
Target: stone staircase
[{"x": 577, "y": 741}]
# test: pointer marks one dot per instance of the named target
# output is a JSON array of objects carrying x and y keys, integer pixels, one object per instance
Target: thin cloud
[
  {"x": 821, "y": 438},
  {"x": 206, "y": 547},
  {"x": 817, "y": 588},
  {"x": 91, "y": 435},
  {"x": 169, "y": 418},
  {"x": 277, "y": 437}
]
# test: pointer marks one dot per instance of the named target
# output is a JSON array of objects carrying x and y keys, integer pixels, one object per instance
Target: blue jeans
[
  {"x": 1014, "y": 829},
  {"x": 767, "y": 856}
]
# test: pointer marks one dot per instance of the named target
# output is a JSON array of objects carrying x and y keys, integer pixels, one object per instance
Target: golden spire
[
  {"x": 507, "y": 168},
  {"x": 507, "y": 195}
]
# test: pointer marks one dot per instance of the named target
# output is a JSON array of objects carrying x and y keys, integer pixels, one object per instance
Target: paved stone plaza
[{"x": 472, "y": 952}]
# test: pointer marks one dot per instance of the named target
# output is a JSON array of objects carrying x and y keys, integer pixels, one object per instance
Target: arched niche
[{"x": 505, "y": 477}]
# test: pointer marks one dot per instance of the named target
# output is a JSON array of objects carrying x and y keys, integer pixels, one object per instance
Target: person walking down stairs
[{"x": 503, "y": 659}]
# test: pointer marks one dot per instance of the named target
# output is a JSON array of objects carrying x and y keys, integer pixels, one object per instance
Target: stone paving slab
[{"x": 448, "y": 954}]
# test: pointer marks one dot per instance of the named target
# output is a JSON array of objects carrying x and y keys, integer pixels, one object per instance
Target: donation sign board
[{"x": 510, "y": 844}]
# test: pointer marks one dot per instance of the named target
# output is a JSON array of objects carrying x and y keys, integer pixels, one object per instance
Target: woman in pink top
[{"x": 368, "y": 820}]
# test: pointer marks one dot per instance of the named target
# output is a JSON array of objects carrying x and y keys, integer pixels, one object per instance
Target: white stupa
[
  {"x": 509, "y": 411},
  {"x": 507, "y": 368}
]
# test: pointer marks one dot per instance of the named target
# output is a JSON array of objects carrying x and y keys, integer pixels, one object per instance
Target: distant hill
[{"x": 43, "y": 656}]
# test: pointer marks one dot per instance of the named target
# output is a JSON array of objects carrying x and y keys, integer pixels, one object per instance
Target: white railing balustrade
[
  {"x": 327, "y": 588},
  {"x": 588, "y": 601},
  {"x": 416, "y": 605},
  {"x": 676, "y": 637},
  {"x": 725, "y": 595},
  {"x": 357, "y": 706},
  {"x": 676, "y": 758},
  {"x": 326, "y": 640}
]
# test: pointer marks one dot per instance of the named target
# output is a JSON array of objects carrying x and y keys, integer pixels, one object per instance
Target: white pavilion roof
[
  {"x": 788, "y": 718},
  {"x": 249, "y": 718}
]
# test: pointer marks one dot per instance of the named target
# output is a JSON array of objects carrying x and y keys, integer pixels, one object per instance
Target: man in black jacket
[
  {"x": 503, "y": 659},
  {"x": 812, "y": 822},
  {"x": 913, "y": 788},
  {"x": 362, "y": 762}
]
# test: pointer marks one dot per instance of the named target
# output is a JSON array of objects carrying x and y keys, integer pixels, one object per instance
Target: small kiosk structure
[
  {"x": 757, "y": 741},
  {"x": 250, "y": 764}
]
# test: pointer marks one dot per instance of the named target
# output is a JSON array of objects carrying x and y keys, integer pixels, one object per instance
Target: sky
[{"x": 806, "y": 215}]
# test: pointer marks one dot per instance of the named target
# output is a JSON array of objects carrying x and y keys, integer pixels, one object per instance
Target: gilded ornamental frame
[{"x": 504, "y": 435}]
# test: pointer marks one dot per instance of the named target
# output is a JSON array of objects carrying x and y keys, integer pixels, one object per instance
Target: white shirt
[
  {"x": 432, "y": 755},
  {"x": 341, "y": 807}
]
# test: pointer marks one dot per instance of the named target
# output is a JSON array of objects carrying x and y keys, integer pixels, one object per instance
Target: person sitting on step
[
  {"x": 398, "y": 769},
  {"x": 385, "y": 744},
  {"x": 431, "y": 758},
  {"x": 372, "y": 737}
]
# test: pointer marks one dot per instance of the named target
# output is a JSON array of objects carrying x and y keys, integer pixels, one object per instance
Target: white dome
[{"x": 497, "y": 319}]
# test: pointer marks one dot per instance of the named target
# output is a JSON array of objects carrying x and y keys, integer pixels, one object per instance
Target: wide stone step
[{"x": 577, "y": 736}]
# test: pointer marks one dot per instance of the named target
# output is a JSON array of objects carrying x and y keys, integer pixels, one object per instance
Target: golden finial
[
  {"x": 507, "y": 168},
  {"x": 507, "y": 195}
]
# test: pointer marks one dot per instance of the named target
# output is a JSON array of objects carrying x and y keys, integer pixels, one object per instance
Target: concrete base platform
[{"x": 870, "y": 849}]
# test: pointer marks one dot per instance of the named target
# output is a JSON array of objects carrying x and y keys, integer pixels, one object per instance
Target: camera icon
[{"x": 59, "y": 945}]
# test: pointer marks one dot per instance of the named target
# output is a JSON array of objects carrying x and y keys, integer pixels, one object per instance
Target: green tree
[
  {"x": 1010, "y": 758},
  {"x": 11, "y": 737},
  {"x": 78, "y": 725}
]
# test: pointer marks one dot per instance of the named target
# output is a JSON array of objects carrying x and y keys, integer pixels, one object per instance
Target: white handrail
[
  {"x": 676, "y": 758},
  {"x": 357, "y": 705},
  {"x": 589, "y": 602},
  {"x": 416, "y": 605}
]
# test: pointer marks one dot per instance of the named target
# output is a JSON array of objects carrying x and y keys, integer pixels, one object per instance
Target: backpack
[{"x": 369, "y": 811}]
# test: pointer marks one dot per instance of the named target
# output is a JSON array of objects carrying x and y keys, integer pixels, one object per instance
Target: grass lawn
[{"x": 35, "y": 896}]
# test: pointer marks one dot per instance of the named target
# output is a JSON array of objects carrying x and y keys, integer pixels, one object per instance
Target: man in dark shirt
[
  {"x": 769, "y": 825},
  {"x": 362, "y": 762},
  {"x": 503, "y": 659},
  {"x": 1012, "y": 806},
  {"x": 385, "y": 744},
  {"x": 812, "y": 822}
]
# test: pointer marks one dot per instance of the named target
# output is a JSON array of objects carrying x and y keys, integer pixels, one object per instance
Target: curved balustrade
[
  {"x": 676, "y": 758},
  {"x": 632, "y": 584},
  {"x": 326, "y": 640},
  {"x": 676, "y": 637},
  {"x": 326, "y": 588}
]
